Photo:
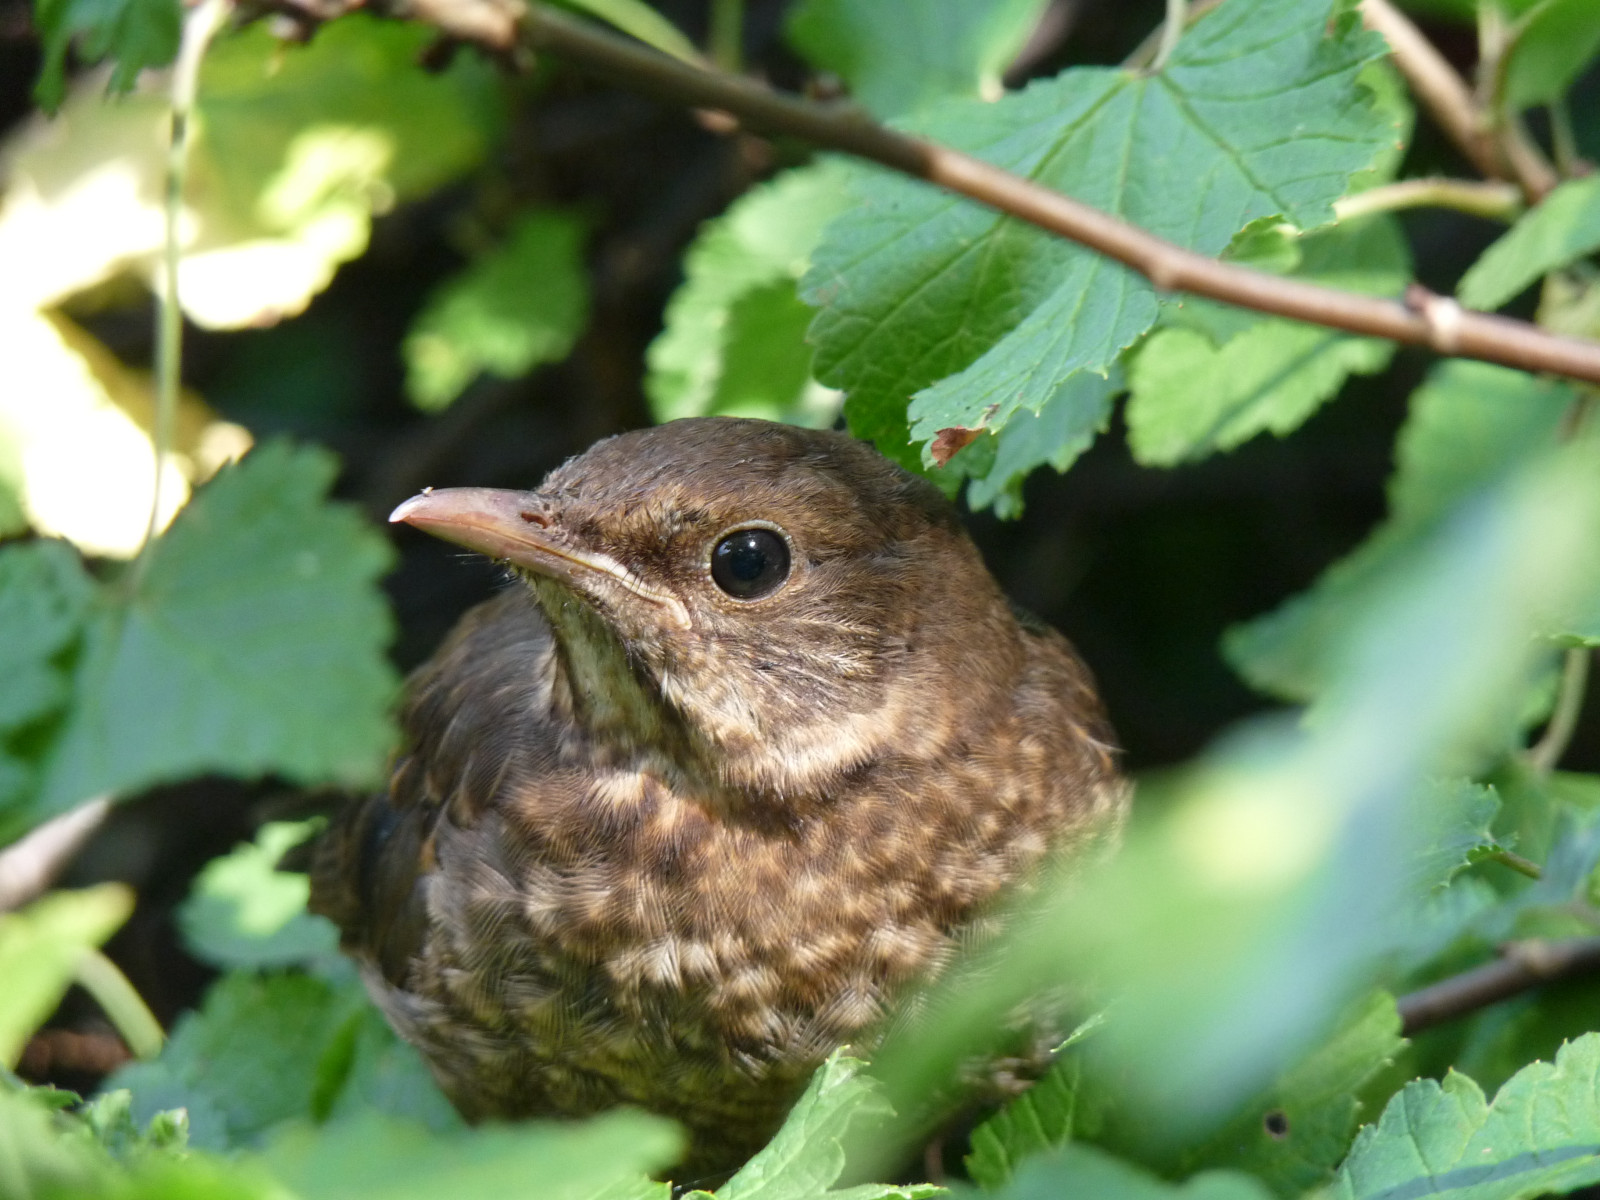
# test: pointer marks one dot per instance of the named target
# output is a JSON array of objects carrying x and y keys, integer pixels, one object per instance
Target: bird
[{"x": 747, "y": 748}]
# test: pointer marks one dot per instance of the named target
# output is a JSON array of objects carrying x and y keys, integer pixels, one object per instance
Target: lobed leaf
[
  {"x": 244, "y": 912},
  {"x": 733, "y": 341},
  {"x": 252, "y": 642},
  {"x": 805, "y": 1158},
  {"x": 1193, "y": 394},
  {"x": 1540, "y": 1136},
  {"x": 979, "y": 318}
]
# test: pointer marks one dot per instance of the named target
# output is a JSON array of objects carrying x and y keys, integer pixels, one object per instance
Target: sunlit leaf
[
  {"x": 244, "y": 912},
  {"x": 1192, "y": 396},
  {"x": 522, "y": 304},
  {"x": 1085, "y": 1171},
  {"x": 251, "y": 642},
  {"x": 39, "y": 951},
  {"x": 734, "y": 335}
]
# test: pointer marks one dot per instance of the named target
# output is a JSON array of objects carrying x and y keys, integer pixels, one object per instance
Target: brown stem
[
  {"x": 1450, "y": 101},
  {"x": 1521, "y": 967},
  {"x": 1423, "y": 319}
]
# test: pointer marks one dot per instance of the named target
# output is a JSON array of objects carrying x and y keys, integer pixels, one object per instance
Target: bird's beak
[{"x": 520, "y": 528}]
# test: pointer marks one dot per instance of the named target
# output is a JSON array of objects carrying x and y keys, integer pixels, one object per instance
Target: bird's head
[{"x": 792, "y": 600}]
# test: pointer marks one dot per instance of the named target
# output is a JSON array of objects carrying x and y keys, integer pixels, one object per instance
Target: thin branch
[
  {"x": 29, "y": 866},
  {"x": 1547, "y": 752},
  {"x": 1451, "y": 103},
  {"x": 199, "y": 27},
  {"x": 1423, "y": 319},
  {"x": 1493, "y": 199},
  {"x": 1521, "y": 967}
]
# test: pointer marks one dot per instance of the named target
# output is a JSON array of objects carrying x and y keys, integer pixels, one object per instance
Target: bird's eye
[{"x": 750, "y": 563}]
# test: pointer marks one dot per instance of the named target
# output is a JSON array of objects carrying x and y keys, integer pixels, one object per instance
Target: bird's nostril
[{"x": 534, "y": 518}]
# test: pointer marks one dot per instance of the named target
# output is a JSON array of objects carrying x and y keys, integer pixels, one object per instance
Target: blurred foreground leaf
[
  {"x": 1555, "y": 41},
  {"x": 1238, "y": 919},
  {"x": 1083, "y": 1171},
  {"x": 1469, "y": 424},
  {"x": 39, "y": 951},
  {"x": 522, "y": 304},
  {"x": 379, "y": 1156},
  {"x": 1541, "y": 1135}
]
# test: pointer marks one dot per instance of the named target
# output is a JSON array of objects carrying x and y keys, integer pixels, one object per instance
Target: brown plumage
[{"x": 757, "y": 741}]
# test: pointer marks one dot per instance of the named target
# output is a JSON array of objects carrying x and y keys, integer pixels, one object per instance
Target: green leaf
[
  {"x": 1541, "y": 1135},
  {"x": 244, "y": 912},
  {"x": 1043, "y": 1118},
  {"x": 252, "y": 643},
  {"x": 1469, "y": 425},
  {"x": 518, "y": 306},
  {"x": 806, "y": 1157},
  {"x": 42, "y": 1155},
  {"x": 1554, "y": 42},
  {"x": 1192, "y": 396},
  {"x": 384, "y": 1074},
  {"x": 1293, "y": 1137},
  {"x": 39, "y": 951},
  {"x": 135, "y": 34},
  {"x": 983, "y": 317},
  {"x": 396, "y": 1159},
  {"x": 898, "y": 58},
  {"x": 44, "y": 598},
  {"x": 1083, "y": 1171},
  {"x": 1458, "y": 814},
  {"x": 734, "y": 336},
  {"x": 248, "y": 1059},
  {"x": 1061, "y": 430},
  {"x": 1564, "y": 227}
]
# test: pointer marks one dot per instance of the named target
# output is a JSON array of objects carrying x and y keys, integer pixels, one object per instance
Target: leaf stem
[
  {"x": 727, "y": 34},
  {"x": 1494, "y": 199},
  {"x": 1171, "y": 32},
  {"x": 1552, "y": 744},
  {"x": 1523, "y": 866},
  {"x": 199, "y": 27},
  {"x": 121, "y": 1002}
]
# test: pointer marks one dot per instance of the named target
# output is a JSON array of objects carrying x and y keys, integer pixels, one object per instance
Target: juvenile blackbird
[{"x": 743, "y": 757}]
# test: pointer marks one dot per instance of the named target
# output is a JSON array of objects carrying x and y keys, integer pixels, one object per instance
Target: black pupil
[{"x": 750, "y": 563}]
